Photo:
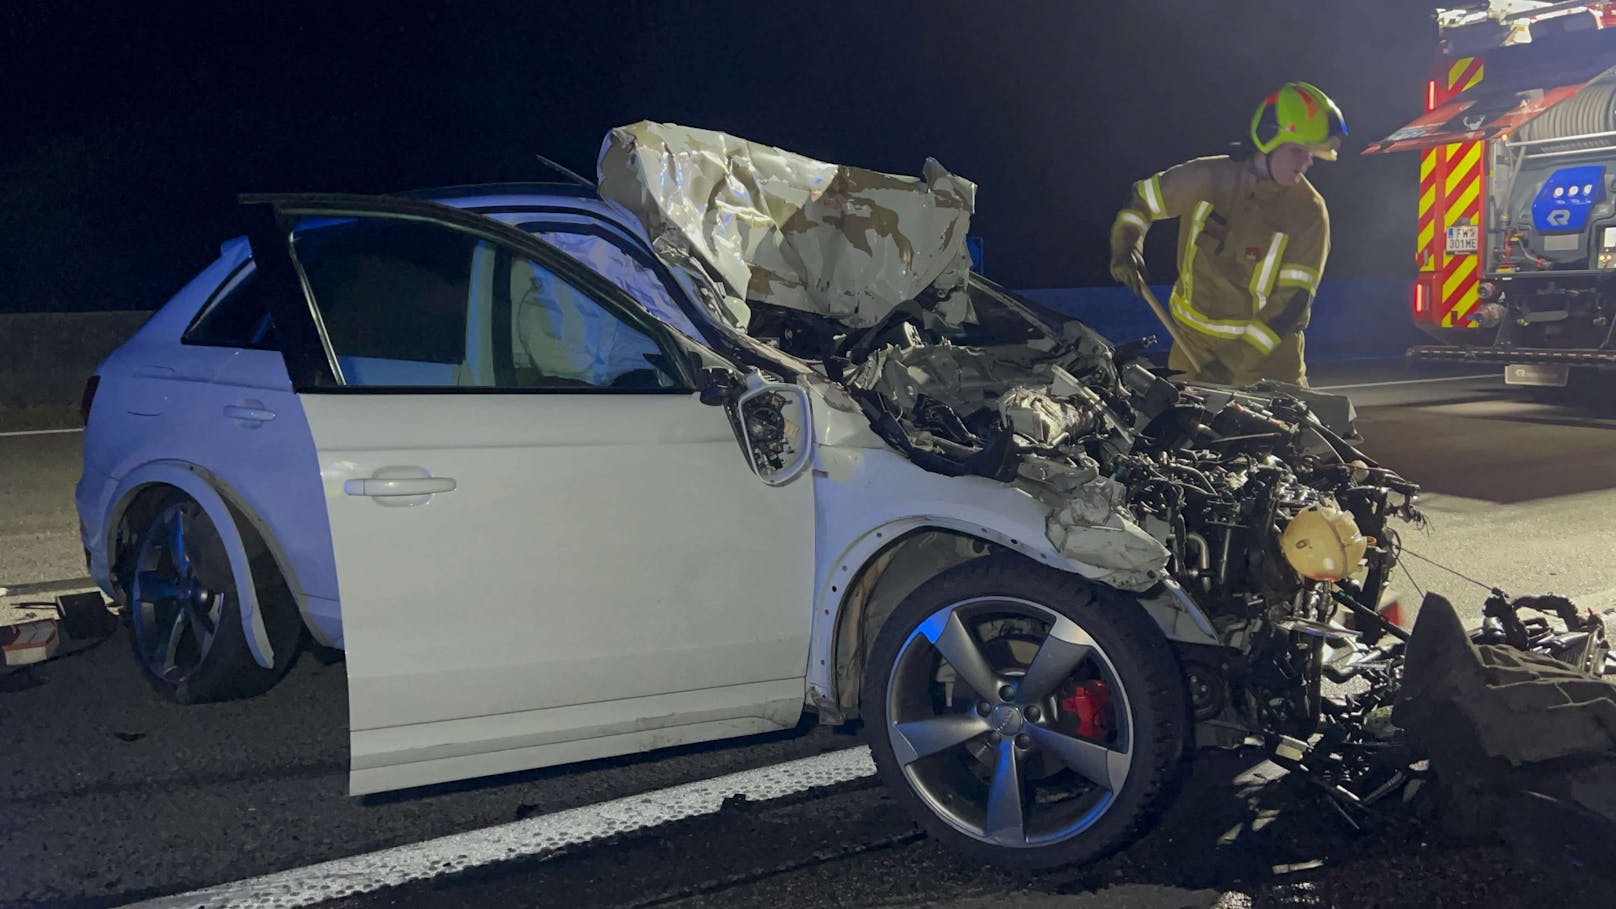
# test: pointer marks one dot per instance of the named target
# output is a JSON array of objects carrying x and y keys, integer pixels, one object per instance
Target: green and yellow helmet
[{"x": 1302, "y": 114}]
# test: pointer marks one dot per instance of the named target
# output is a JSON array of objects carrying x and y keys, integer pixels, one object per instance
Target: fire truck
[{"x": 1517, "y": 209}]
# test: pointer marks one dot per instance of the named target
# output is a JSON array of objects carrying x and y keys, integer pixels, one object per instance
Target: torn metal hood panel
[{"x": 780, "y": 228}]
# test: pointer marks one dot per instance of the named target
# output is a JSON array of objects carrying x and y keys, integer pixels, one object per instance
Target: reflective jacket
[{"x": 1250, "y": 252}]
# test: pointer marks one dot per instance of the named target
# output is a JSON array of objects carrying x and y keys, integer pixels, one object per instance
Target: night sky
[{"x": 131, "y": 128}]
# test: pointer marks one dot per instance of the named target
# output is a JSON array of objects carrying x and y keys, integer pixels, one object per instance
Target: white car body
[{"x": 576, "y": 576}]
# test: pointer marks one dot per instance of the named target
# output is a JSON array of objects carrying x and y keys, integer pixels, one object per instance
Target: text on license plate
[{"x": 1463, "y": 239}]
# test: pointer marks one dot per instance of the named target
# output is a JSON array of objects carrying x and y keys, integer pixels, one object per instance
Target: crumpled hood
[{"x": 784, "y": 229}]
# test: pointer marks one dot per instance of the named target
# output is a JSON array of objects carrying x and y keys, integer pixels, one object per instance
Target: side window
[
  {"x": 407, "y": 304},
  {"x": 237, "y": 317},
  {"x": 562, "y": 337},
  {"x": 393, "y": 296},
  {"x": 614, "y": 263}
]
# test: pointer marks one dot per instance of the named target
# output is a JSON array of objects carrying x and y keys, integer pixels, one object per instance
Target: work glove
[{"x": 1128, "y": 268}]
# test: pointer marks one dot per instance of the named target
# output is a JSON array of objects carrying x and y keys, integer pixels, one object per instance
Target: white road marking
[
  {"x": 1491, "y": 375},
  {"x": 38, "y": 432},
  {"x": 526, "y": 838}
]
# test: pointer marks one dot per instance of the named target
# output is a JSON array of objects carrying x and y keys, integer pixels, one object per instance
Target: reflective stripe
[
  {"x": 1254, "y": 333},
  {"x": 1150, "y": 190},
  {"x": 1203, "y": 210},
  {"x": 1262, "y": 277},
  {"x": 1186, "y": 275},
  {"x": 1184, "y": 312},
  {"x": 1299, "y": 276},
  {"x": 1261, "y": 337},
  {"x": 1132, "y": 218}
]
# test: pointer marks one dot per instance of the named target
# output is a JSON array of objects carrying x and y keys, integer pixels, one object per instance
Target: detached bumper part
[{"x": 1525, "y": 743}]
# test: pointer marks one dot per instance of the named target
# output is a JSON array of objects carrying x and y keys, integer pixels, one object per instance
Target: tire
[
  {"x": 185, "y": 615},
  {"x": 909, "y": 706}
]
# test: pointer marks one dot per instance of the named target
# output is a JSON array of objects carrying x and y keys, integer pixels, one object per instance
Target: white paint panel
[
  {"x": 597, "y": 548},
  {"x": 870, "y": 497},
  {"x": 502, "y": 743}
]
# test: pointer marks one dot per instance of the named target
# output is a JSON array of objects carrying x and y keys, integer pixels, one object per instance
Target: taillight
[
  {"x": 1430, "y": 95},
  {"x": 1422, "y": 302},
  {"x": 90, "y": 386}
]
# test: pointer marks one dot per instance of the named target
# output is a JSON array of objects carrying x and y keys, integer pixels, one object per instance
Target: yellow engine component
[{"x": 1323, "y": 543}]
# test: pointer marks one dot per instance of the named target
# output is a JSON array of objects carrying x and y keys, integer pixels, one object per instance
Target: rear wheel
[
  {"x": 185, "y": 611},
  {"x": 1024, "y": 717}
]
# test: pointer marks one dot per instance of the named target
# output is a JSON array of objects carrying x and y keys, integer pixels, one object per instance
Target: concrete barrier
[{"x": 45, "y": 358}]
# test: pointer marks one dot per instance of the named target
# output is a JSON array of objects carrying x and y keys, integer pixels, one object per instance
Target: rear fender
[{"x": 193, "y": 481}]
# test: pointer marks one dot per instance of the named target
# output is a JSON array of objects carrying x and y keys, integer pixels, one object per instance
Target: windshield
[
  {"x": 998, "y": 311},
  {"x": 997, "y": 318}
]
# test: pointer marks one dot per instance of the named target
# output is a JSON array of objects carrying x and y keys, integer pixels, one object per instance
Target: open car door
[{"x": 547, "y": 548}]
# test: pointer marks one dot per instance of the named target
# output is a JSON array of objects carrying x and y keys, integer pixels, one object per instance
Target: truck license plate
[
  {"x": 1463, "y": 240},
  {"x": 1538, "y": 374}
]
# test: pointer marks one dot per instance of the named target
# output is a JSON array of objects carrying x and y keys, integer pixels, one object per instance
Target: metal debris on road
[
  {"x": 1524, "y": 705},
  {"x": 1295, "y": 867}
]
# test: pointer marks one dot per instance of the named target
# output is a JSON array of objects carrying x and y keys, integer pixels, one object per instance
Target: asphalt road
[
  {"x": 110, "y": 796},
  {"x": 38, "y": 526}
]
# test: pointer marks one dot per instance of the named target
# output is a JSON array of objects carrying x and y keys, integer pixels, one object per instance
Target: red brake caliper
[{"x": 1087, "y": 702}]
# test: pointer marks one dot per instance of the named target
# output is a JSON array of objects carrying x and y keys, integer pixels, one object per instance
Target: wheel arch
[
  {"x": 859, "y": 590},
  {"x": 239, "y": 528}
]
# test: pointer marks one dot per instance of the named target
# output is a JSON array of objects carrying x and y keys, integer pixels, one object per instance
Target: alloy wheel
[
  {"x": 175, "y": 614},
  {"x": 1009, "y": 721}
]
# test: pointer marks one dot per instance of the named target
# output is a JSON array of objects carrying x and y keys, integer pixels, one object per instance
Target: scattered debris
[
  {"x": 1298, "y": 867},
  {"x": 1513, "y": 722},
  {"x": 29, "y": 634},
  {"x": 32, "y": 632}
]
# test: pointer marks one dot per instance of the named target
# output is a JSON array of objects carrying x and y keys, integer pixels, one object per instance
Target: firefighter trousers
[{"x": 1233, "y": 362}]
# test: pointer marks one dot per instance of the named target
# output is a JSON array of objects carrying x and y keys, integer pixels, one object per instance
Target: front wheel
[{"x": 1023, "y": 716}]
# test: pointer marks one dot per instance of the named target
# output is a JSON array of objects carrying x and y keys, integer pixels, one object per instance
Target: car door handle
[
  {"x": 395, "y": 487},
  {"x": 249, "y": 412}
]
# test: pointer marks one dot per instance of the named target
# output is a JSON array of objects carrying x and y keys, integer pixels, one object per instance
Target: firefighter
[{"x": 1252, "y": 239}]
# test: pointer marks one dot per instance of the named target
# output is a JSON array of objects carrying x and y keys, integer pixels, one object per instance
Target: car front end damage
[
  {"x": 1144, "y": 481},
  {"x": 1252, "y": 509},
  {"x": 1267, "y": 521}
]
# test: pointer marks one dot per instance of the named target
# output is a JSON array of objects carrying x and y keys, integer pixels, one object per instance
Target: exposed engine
[
  {"x": 1267, "y": 518},
  {"x": 1246, "y": 502}
]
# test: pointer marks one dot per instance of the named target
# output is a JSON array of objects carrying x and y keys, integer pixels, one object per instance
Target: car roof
[
  {"x": 493, "y": 195},
  {"x": 505, "y": 198}
]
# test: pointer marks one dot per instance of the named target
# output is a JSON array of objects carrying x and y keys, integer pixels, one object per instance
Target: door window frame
[{"x": 310, "y": 360}]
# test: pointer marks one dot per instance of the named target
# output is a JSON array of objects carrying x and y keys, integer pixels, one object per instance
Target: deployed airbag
[{"x": 787, "y": 230}]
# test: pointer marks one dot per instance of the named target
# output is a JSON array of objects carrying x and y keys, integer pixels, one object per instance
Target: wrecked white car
[{"x": 485, "y": 441}]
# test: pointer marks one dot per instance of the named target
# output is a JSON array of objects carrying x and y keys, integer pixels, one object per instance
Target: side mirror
[
  {"x": 776, "y": 423},
  {"x": 718, "y": 386}
]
